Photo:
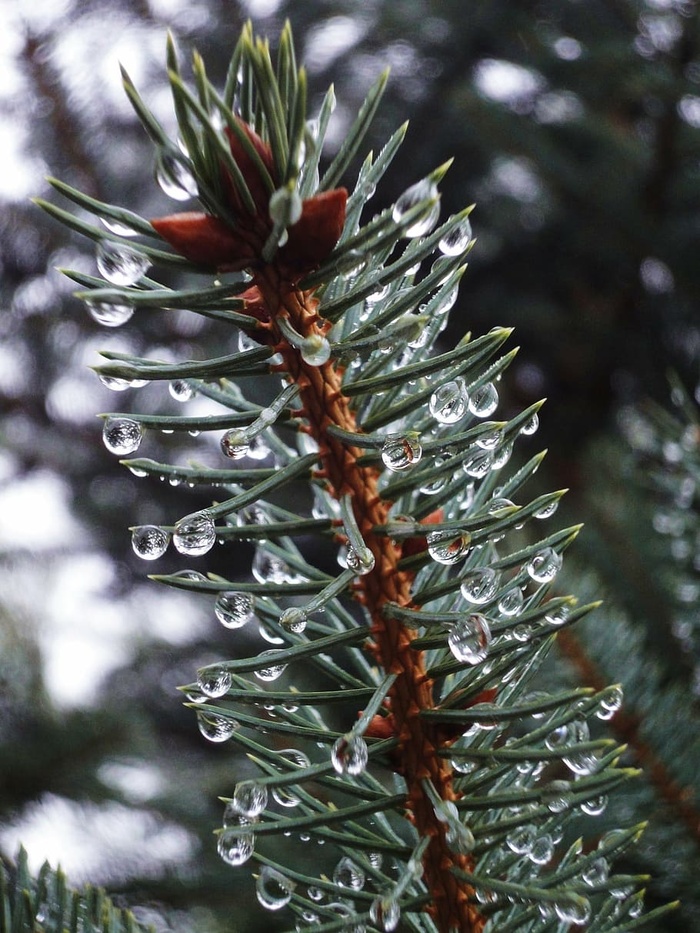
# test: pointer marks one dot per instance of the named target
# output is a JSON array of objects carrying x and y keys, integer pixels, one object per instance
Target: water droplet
[
  {"x": 361, "y": 561},
  {"x": 181, "y": 390},
  {"x": 521, "y": 633},
  {"x": 542, "y": 850},
  {"x": 491, "y": 438},
  {"x": 521, "y": 839},
  {"x": 448, "y": 547},
  {"x": 480, "y": 586},
  {"x": 582, "y": 763},
  {"x": 596, "y": 873},
  {"x": 556, "y": 796},
  {"x": 349, "y": 875},
  {"x": 531, "y": 425},
  {"x": 368, "y": 189},
  {"x": 573, "y": 909},
  {"x": 463, "y": 765},
  {"x": 268, "y": 568},
  {"x": 595, "y": 806},
  {"x": 250, "y": 798},
  {"x": 293, "y": 755},
  {"x": 547, "y": 510},
  {"x": 379, "y": 295},
  {"x": 449, "y": 402},
  {"x": 557, "y": 615},
  {"x": 234, "y": 609},
  {"x": 477, "y": 462},
  {"x": 433, "y": 487},
  {"x": 149, "y": 542},
  {"x": 195, "y": 534},
  {"x": 422, "y": 338},
  {"x": 258, "y": 448},
  {"x": 500, "y": 507},
  {"x": 273, "y": 889},
  {"x": 294, "y": 620},
  {"x": 252, "y": 515},
  {"x": 315, "y": 350},
  {"x": 235, "y": 849},
  {"x": 315, "y": 894},
  {"x": 511, "y": 602},
  {"x": 349, "y": 754},
  {"x": 269, "y": 636},
  {"x": 545, "y": 565},
  {"x": 400, "y": 452},
  {"x": 114, "y": 384},
  {"x": 120, "y": 264},
  {"x": 117, "y": 227},
  {"x": 457, "y": 240},
  {"x": 122, "y": 435},
  {"x": 484, "y": 896},
  {"x": 193, "y": 575},
  {"x": 610, "y": 703},
  {"x": 271, "y": 671},
  {"x": 445, "y": 300},
  {"x": 483, "y": 401},
  {"x": 216, "y": 728},
  {"x": 385, "y": 913},
  {"x": 375, "y": 859},
  {"x": 470, "y": 638},
  {"x": 422, "y": 191},
  {"x": 235, "y": 443},
  {"x": 459, "y": 837},
  {"x": 557, "y": 738},
  {"x": 347, "y": 913},
  {"x": 174, "y": 178},
  {"x": 285, "y": 797},
  {"x": 501, "y": 456},
  {"x": 214, "y": 681},
  {"x": 618, "y": 889},
  {"x": 109, "y": 314}
]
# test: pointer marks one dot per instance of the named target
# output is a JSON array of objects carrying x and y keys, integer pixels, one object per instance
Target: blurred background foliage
[{"x": 575, "y": 127}]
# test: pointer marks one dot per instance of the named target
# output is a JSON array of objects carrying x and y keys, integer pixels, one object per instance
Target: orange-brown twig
[{"x": 324, "y": 404}]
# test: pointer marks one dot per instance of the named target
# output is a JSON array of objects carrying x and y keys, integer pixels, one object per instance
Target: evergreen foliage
[
  {"x": 45, "y": 904},
  {"x": 408, "y": 737}
]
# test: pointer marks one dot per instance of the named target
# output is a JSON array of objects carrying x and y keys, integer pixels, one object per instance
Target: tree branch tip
[{"x": 439, "y": 173}]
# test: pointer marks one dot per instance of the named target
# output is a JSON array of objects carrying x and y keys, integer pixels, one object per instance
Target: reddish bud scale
[
  {"x": 254, "y": 180},
  {"x": 209, "y": 241}
]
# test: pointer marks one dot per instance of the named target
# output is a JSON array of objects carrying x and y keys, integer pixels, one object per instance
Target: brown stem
[{"x": 416, "y": 758}]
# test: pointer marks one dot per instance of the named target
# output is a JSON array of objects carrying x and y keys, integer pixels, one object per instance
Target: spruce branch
[{"x": 442, "y": 610}]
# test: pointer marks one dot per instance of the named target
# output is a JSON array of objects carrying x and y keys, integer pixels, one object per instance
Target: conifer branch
[{"x": 442, "y": 610}]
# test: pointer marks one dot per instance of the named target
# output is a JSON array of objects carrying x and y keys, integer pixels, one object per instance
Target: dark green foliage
[{"x": 46, "y": 904}]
